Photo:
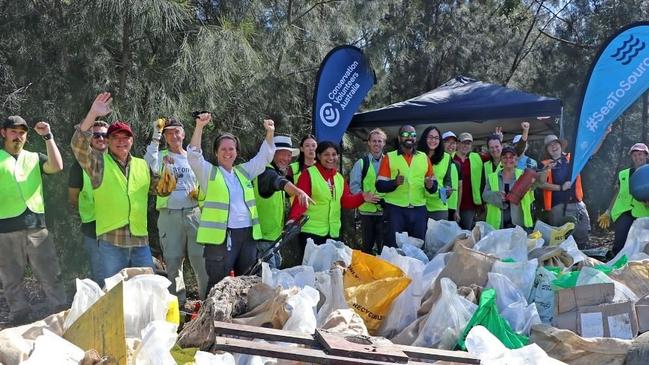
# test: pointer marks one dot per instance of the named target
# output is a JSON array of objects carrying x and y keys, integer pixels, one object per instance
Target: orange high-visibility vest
[{"x": 547, "y": 194}]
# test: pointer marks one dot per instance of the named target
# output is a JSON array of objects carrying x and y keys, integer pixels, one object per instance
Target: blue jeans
[
  {"x": 116, "y": 258},
  {"x": 94, "y": 259}
]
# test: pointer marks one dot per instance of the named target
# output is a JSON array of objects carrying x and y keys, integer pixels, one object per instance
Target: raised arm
[
  {"x": 257, "y": 164},
  {"x": 54, "y": 161}
]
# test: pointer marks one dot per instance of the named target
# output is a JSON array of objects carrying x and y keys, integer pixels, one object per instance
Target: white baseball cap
[
  {"x": 284, "y": 143},
  {"x": 448, "y": 134}
]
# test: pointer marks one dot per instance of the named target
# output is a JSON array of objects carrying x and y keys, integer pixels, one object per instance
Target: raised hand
[
  {"x": 101, "y": 106},
  {"x": 203, "y": 119},
  {"x": 42, "y": 128},
  {"x": 566, "y": 186},
  {"x": 269, "y": 125},
  {"x": 399, "y": 180},
  {"x": 525, "y": 126},
  {"x": 499, "y": 132},
  {"x": 428, "y": 182}
]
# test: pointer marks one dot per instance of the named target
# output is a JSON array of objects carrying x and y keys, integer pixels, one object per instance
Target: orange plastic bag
[{"x": 371, "y": 285}]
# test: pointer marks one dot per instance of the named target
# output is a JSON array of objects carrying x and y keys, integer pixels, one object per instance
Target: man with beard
[
  {"x": 80, "y": 197},
  {"x": 406, "y": 176},
  {"x": 269, "y": 189},
  {"x": 23, "y": 234}
]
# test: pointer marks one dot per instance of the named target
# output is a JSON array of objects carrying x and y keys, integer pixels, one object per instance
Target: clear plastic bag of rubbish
[
  {"x": 146, "y": 299},
  {"x": 403, "y": 310},
  {"x": 483, "y": 228},
  {"x": 49, "y": 348},
  {"x": 446, "y": 320},
  {"x": 543, "y": 295},
  {"x": 521, "y": 273},
  {"x": 512, "y": 305},
  {"x": 158, "y": 337},
  {"x": 553, "y": 235},
  {"x": 590, "y": 276},
  {"x": 208, "y": 358},
  {"x": 332, "y": 293},
  {"x": 433, "y": 268},
  {"x": 505, "y": 243},
  {"x": 322, "y": 257},
  {"x": 414, "y": 252},
  {"x": 402, "y": 239},
  {"x": 570, "y": 246},
  {"x": 88, "y": 292},
  {"x": 636, "y": 242},
  {"x": 299, "y": 276},
  {"x": 485, "y": 346},
  {"x": 302, "y": 309},
  {"x": 439, "y": 234}
]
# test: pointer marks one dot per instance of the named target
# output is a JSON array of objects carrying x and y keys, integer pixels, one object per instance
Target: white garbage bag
[
  {"x": 402, "y": 238},
  {"x": 322, "y": 257},
  {"x": 88, "y": 292},
  {"x": 512, "y": 305},
  {"x": 49, "y": 348},
  {"x": 298, "y": 276},
  {"x": 302, "y": 309},
  {"x": 332, "y": 293},
  {"x": 158, "y": 337},
  {"x": 446, "y": 320},
  {"x": 636, "y": 242},
  {"x": 439, "y": 234},
  {"x": 414, "y": 252},
  {"x": 433, "y": 268},
  {"x": 208, "y": 358},
  {"x": 521, "y": 273},
  {"x": 146, "y": 299},
  {"x": 485, "y": 346},
  {"x": 505, "y": 243},
  {"x": 403, "y": 310},
  {"x": 570, "y": 246}
]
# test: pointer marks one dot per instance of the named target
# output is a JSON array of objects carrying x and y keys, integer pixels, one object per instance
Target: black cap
[
  {"x": 15, "y": 121},
  {"x": 172, "y": 123},
  {"x": 508, "y": 149}
]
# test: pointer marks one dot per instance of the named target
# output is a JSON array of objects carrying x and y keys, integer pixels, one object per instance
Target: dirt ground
[{"x": 598, "y": 239}]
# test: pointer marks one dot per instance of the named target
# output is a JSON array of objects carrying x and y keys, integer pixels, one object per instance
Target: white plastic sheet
[
  {"x": 512, "y": 305},
  {"x": 636, "y": 242},
  {"x": 88, "y": 292},
  {"x": 146, "y": 299},
  {"x": 298, "y": 276},
  {"x": 521, "y": 273},
  {"x": 439, "y": 234},
  {"x": 207, "y": 358},
  {"x": 485, "y": 346},
  {"x": 332, "y": 294},
  {"x": 404, "y": 308},
  {"x": 158, "y": 337},
  {"x": 446, "y": 320},
  {"x": 322, "y": 257},
  {"x": 49, "y": 348},
  {"x": 505, "y": 243}
]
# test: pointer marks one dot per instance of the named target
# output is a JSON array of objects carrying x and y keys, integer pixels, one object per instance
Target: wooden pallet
[{"x": 326, "y": 348}]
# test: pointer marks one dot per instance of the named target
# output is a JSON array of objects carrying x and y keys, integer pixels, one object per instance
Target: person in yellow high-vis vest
[
  {"x": 178, "y": 213},
  {"x": 81, "y": 199},
  {"x": 121, "y": 186},
  {"x": 23, "y": 234},
  {"x": 624, "y": 209},
  {"x": 330, "y": 194},
  {"x": 500, "y": 212},
  {"x": 229, "y": 224},
  {"x": 363, "y": 178},
  {"x": 271, "y": 188},
  {"x": 450, "y": 146},
  {"x": 406, "y": 177},
  {"x": 305, "y": 159},
  {"x": 430, "y": 143}
]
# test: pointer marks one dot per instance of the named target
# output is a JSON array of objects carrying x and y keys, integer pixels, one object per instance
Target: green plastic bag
[
  {"x": 488, "y": 317},
  {"x": 569, "y": 279}
]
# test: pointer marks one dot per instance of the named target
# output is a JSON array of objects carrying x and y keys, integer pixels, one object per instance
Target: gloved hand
[
  {"x": 158, "y": 125},
  {"x": 604, "y": 220}
]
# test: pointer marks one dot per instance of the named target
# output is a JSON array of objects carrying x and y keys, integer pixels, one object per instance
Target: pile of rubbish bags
[{"x": 502, "y": 295}]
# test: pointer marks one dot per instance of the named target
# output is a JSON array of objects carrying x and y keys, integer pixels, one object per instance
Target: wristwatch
[{"x": 47, "y": 137}]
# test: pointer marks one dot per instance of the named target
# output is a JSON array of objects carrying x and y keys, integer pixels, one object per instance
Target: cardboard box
[
  {"x": 617, "y": 320},
  {"x": 568, "y": 300},
  {"x": 642, "y": 312},
  {"x": 566, "y": 321}
]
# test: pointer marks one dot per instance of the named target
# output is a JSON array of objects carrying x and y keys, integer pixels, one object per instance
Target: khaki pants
[
  {"x": 177, "y": 229},
  {"x": 36, "y": 247}
]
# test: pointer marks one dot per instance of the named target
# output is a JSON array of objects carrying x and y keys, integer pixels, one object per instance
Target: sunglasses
[
  {"x": 99, "y": 135},
  {"x": 412, "y": 134}
]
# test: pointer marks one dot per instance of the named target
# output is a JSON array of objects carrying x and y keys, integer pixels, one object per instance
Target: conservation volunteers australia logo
[{"x": 340, "y": 96}]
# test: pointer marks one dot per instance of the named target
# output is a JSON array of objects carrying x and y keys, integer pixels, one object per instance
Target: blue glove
[{"x": 443, "y": 194}]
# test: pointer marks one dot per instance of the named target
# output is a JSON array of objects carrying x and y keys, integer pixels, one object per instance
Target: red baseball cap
[{"x": 119, "y": 126}]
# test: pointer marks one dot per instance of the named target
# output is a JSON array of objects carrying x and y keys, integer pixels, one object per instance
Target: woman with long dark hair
[
  {"x": 308, "y": 145},
  {"x": 430, "y": 143},
  {"x": 330, "y": 193}
]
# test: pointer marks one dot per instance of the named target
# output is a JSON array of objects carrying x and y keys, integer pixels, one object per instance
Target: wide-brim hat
[
  {"x": 285, "y": 143},
  {"x": 550, "y": 138}
]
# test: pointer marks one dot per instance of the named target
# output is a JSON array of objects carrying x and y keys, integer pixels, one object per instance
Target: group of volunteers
[{"x": 223, "y": 215}]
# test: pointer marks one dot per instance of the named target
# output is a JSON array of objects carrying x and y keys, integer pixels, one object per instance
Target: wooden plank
[
  {"x": 339, "y": 345},
  {"x": 268, "y": 334},
  {"x": 424, "y": 353},
  {"x": 101, "y": 327},
  {"x": 282, "y": 351}
]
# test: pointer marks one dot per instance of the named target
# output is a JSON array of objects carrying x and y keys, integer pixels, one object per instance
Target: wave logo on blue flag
[
  {"x": 344, "y": 79},
  {"x": 617, "y": 78}
]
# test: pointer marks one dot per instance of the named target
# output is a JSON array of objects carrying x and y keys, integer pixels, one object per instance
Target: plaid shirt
[{"x": 92, "y": 162}]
